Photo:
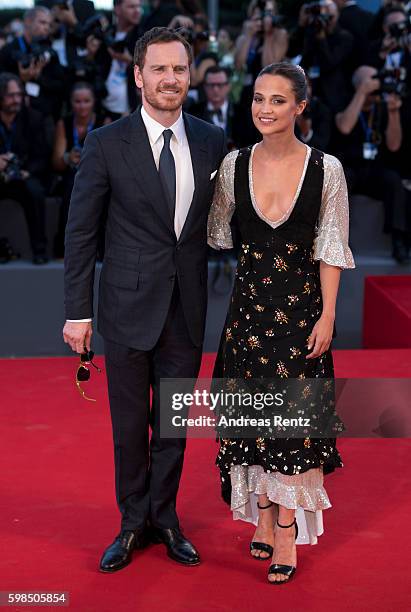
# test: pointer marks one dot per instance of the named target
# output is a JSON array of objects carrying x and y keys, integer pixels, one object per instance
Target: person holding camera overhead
[
  {"x": 116, "y": 58},
  {"x": 32, "y": 58},
  {"x": 262, "y": 42},
  {"x": 23, "y": 159},
  {"x": 368, "y": 125}
]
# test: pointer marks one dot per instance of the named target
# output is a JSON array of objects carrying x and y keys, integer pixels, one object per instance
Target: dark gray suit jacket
[{"x": 117, "y": 177}]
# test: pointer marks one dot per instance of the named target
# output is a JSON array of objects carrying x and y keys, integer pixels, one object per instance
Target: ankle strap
[
  {"x": 265, "y": 507},
  {"x": 286, "y": 526}
]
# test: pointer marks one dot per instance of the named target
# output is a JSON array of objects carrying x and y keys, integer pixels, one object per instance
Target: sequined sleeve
[
  {"x": 223, "y": 205},
  {"x": 331, "y": 242}
]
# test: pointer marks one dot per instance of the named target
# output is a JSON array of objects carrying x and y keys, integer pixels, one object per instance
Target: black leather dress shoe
[
  {"x": 178, "y": 547},
  {"x": 120, "y": 552}
]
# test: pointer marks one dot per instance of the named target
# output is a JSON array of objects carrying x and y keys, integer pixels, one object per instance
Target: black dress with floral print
[{"x": 275, "y": 303}]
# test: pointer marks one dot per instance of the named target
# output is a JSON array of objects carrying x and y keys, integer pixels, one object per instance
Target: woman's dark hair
[
  {"x": 158, "y": 35},
  {"x": 82, "y": 85},
  {"x": 295, "y": 74}
]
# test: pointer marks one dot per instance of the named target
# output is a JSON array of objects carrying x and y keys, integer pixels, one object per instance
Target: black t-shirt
[{"x": 349, "y": 148}]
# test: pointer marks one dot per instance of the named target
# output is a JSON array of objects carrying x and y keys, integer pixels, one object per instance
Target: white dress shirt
[{"x": 184, "y": 168}]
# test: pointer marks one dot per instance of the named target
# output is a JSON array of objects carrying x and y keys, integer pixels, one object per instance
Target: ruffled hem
[{"x": 304, "y": 493}]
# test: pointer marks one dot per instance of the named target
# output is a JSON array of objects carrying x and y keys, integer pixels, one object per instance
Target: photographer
[
  {"x": 116, "y": 58},
  {"x": 71, "y": 132},
  {"x": 23, "y": 159},
  {"x": 370, "y": 123},
  {"x": 68, "y": 17},
  {"x": 358, "y": 22},
  {"x": 392, "y": 51},
  {"x": 263, "y": 41},
  {"x": 31, "y": 58},
  {"x": 326, "y": 53}
]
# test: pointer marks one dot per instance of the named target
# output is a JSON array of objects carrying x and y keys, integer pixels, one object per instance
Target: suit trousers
[{"x": 147, "y": 472}]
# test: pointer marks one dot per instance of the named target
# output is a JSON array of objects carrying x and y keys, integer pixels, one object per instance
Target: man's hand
[
  {"x": 33, "y": 71},
  {"x": 65, "y": 15},
  {"x": 369, "y": 85},
  {"x": 78, "y": 335},
  {"x": 121, "y": 57},
  {"x": 394, "y": 102},
  {"x": 4, "y": 160}
]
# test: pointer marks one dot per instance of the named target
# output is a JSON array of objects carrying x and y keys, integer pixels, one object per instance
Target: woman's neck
[
  {"x": 83, "y": 121},
  {"x": 280, "y": 146}
]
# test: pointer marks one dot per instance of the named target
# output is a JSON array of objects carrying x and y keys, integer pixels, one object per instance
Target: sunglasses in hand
[{"x": 83, "y": 372}]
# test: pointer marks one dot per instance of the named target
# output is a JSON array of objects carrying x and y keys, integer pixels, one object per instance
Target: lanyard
[
  {"x": 22, "y": 43},
  {"x": 367, "y": 126},
  {"x": 76, "y": 139},
  {"x": 7, "y": 136}
]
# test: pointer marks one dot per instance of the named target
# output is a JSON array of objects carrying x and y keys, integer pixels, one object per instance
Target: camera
[
  {"x": 400, "y": 31},
  {"x": 277, "y": 21},
  {"x": 317, "y": 19},
  {"x": 393, "y": 81},
  {"x": 98, "y": 27},
  {"x": 40, "y": 51},
  {"x": 13, "y": 170}
]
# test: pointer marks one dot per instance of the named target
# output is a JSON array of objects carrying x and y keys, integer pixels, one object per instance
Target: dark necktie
[{"x": 167, "y": 172}]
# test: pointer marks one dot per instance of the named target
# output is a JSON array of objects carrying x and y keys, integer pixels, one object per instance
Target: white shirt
[
  {"x": 224, "y": 111},
  {"x": 184, "y": 168},
  {"x": 116, "y": 84},
  {"x": 182, "y": 157}
]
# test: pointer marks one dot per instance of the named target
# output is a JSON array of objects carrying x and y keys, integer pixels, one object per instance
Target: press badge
[{"x": 369, "y": 150}]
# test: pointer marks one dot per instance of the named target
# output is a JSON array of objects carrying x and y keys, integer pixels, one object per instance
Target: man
[
  {"x": 154, "y": 174},
  {"x": 117, "y": 61},
  {"x": 23, "y": 160},
  {"x": 326, "y": 53},
  {"x": 217, "y": 108},
  {"x": 370, "y": 124},
  {"x": 358, "y": 22},
  {"x": 31, "y": 58}
]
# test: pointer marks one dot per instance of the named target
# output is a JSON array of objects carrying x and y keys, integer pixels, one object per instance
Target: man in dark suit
[
  {"x": 217, "y": 108},
  {"x": 153, "y": 174}
]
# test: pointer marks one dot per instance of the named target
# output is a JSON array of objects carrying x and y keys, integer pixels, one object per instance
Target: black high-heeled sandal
[
  {"x": 267, "y": 548},
  {"x": 279, "y": 568}
]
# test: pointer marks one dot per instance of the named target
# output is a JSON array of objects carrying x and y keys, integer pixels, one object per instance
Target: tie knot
[{"x": 167, "y": 134}]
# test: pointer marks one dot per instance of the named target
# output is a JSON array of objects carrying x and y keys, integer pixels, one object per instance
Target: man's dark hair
[
  {"x": 217, "y": 70},
  {"x": 158, "y": 35},
  {"x": 5, "y": 79},
  {"x": 295, "y": 74}
]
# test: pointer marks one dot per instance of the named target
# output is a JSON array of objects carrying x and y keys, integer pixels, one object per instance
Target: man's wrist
[{"x": 79, "y": 320}]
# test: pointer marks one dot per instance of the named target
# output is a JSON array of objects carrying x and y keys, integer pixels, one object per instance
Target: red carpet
[{"x": 58, "y": 511}]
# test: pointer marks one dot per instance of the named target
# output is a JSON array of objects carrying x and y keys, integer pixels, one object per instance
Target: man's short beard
[{"x": 152, "y": 100}]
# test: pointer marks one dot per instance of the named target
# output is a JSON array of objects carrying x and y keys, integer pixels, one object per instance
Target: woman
[
  {"x": 69, "y": 138},
  {"x": 262, "y": 42},
  {"x": 292, "y": 211}
]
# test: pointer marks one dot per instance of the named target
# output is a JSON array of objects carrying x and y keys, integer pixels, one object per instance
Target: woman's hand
[{"x": 321, "y": 336}]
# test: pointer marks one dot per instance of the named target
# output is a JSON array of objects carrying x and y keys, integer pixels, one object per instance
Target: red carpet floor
[{"x": 58, "y": 511}]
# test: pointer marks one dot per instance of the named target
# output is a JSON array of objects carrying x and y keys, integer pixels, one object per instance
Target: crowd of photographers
[{"x": 66, "y": 69}]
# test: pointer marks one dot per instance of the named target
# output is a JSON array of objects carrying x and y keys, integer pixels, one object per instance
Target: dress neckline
[{"x": 286, "y": 215}]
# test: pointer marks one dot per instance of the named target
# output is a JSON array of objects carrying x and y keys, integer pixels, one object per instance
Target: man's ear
[{"x": 138, "y": 77}]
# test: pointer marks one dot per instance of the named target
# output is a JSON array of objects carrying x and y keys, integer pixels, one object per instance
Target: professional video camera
[
  {"x": 40, "y": 50},
  {"x": 13, "y": 170},
  {"x": 393, "y": 80},
  {"x": 317, "y": 18}
]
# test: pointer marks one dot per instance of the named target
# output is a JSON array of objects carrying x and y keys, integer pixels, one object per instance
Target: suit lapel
[
  {"x": 138, "y": 156},
  {"x": 198, "y": 151}
]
